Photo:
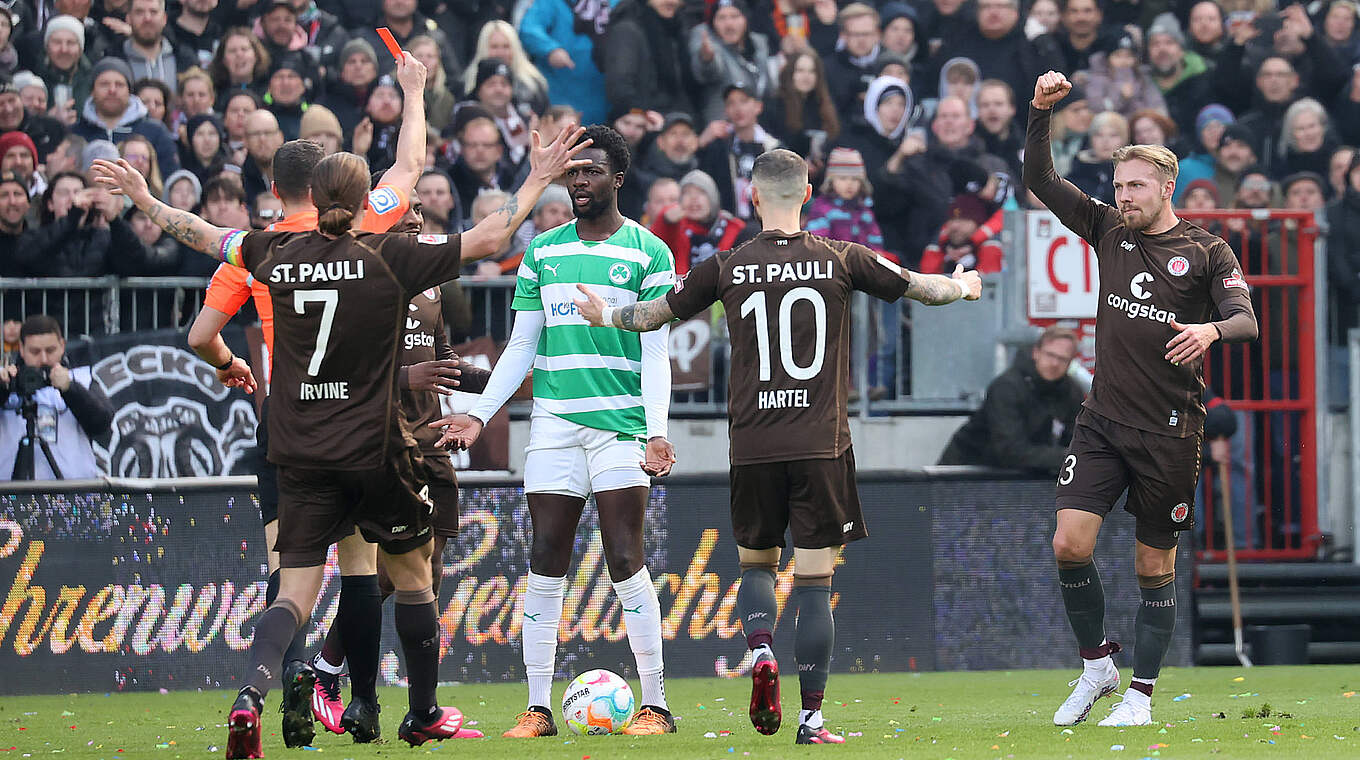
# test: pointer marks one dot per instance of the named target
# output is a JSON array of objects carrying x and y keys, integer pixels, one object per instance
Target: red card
[{"x": 390, "y": 41}]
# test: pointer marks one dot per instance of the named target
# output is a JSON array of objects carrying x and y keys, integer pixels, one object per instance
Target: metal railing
[{"x": 98, "y": 306}]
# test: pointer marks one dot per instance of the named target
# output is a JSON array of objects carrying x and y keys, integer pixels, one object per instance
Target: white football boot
[
  {"x": 1089, "y": 688},
  {"x": 1135, "y": 710}
]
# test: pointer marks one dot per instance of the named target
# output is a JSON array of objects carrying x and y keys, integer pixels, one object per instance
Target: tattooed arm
[
  {"x": 939, "y": 289},
  {"x": 639, "y": 317},
  {"x": 189, "y": 229},
  {"x": 547, "y": 163}
]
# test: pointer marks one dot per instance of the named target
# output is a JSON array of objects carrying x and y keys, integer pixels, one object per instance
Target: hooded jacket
[
  {"x": 1025, "y": 422},
  {"x": 133, "y": 121},
  {"x": 866, "y": 133}
]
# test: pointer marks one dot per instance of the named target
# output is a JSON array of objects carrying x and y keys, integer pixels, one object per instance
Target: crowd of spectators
[{"x": 911, "y": 114}]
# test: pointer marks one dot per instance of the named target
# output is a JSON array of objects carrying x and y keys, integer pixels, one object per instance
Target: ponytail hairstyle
[{"x": 339, "y": 187}]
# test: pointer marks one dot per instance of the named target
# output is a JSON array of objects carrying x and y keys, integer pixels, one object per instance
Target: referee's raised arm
[{"x": 547, "y": 163}]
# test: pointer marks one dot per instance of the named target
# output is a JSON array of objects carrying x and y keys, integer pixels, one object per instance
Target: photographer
[{"x": 48, "y": 418}]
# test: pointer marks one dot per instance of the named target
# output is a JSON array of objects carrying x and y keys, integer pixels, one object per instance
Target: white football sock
[
  {"x": 542, "y": 614},
  {"x": 1101, "y": 666},
  {"x": 1137, "y": 695},
  {"x": 320, "y": 663},
  {"x": 810, "y": 718},
  {"x": 642, "y": 620}
]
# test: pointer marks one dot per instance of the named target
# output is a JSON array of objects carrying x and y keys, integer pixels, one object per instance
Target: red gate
[{"x": 1272, "y": 382}]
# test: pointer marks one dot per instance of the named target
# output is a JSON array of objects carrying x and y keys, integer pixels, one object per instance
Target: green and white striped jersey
[{"x": 591, "y": 375}]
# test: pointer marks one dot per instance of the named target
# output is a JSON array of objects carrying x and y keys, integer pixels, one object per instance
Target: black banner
[
  {"x": 172, "y": 416},
  {"x": 141, "y": 590}
]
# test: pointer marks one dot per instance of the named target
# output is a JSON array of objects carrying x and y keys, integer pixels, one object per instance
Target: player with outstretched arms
[
  {"x": 787, "y": 298},
  {"x": 346, "y": 457},
  {"x": 601, "y": 398},
  {"x": 306, "y": 691},
  {"x": 1161, "y": 278}
]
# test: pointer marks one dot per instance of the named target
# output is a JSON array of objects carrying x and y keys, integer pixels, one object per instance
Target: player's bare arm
[
  {"x": 639, "y": 317},
  {"x": 411, "y": 74},
  {"x": 938, "y": 289},
  {"x": 206, "y": 341},
  {"x": 547, "y": 162},
  {"x": 187, "y": 228}
]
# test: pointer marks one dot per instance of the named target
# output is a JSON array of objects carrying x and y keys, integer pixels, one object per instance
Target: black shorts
[
  {"x": 319, "y": 507},
  {"x": 816, "y": 498},
  {"x": 1159, "y": 471},
  {"x": 266, "y": 473},
  {"x": 443, "y": 484}
]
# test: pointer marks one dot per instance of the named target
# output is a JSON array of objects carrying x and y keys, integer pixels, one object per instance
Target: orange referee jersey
[{"x": 232, "y": 286}]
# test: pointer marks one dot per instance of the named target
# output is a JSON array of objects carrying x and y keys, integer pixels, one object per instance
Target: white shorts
[{"x": 573, "y": 460}]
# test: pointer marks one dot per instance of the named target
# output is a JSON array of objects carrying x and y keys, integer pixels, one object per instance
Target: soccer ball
[{"x": 597, "y": 702}]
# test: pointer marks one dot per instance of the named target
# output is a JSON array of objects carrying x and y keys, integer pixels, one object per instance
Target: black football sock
[
  {"x": 1084, "y": 598},
  {"x": 359, "y": 619},
  {"x": 418, "y": 629},
  {"x": 275, "y": 628},
  {"x": 756, "y": 604},
  {"x": 1153, "y": 626},
  {"x": 814, "y": 637}
]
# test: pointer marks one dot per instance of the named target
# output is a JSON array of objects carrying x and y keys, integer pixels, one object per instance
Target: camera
[{"x": 30, "y": 380}]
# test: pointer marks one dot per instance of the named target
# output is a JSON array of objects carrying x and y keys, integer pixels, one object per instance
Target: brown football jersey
[
  {"x": 787, "y": 300},
  {"x": 340, "y": 307},
  {"x": 1146, "y": 281}
]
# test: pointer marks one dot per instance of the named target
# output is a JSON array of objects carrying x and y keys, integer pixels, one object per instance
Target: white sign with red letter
[{"x": 1063, "y": 281}]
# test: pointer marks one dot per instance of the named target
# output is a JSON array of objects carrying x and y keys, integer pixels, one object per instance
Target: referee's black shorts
[
  {"x": 815, "y": 499},
  {"x": 319, "y": 507},
  {"x": 1159, "y": 471}
]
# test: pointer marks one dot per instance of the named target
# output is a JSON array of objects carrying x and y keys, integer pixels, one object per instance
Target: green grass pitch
[{"x": 1296, "y": 712}]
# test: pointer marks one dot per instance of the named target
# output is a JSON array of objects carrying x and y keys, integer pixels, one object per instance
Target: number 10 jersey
[{"x": 787, "y": 299}]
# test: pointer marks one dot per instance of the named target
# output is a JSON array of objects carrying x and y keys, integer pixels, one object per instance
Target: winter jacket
[
  {"x": 848, "y": 80},
  {"x": 71, "y": 248},
  {"x": 1025, "y": 422},
  {"x": 347, "y": 102},
  {"x": 168, "y": 64},
  {"x": 1343, "y": 264},
  {"x": 774, "y": 119},
  {"x": 749, "y": 66},
  {"x": 1266, "y": 122},
  {"x": 80, "y": 79},
  {"x": 646, "y": 62},
  {"x": 719, "y": 160},
  {"x": 133, "y": 121},
  {"x": 1105, "y": 88},
  {"x": 985, "y": 257},
  {"x": 838, "y": 219},
  {"x": 1013, "y": 59},
  {"x": 694, "y": 242},
  {"x": 654, "y": 165},
  {"x": 549, "y": 25},
  {"x": 1093, "y": 177},
  {"x": 1190, "y": 91}
]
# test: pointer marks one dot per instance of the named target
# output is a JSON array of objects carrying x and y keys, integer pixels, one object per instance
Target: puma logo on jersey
[
  {"x": 552, "y": 268},
  {"x": 532, "y": 617},
  {"x": 633, "y": 610},
  {"x": 1126, "y": 245}
]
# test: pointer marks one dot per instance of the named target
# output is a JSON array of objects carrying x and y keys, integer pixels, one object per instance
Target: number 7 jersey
[{"x": 787, "y": 299}]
